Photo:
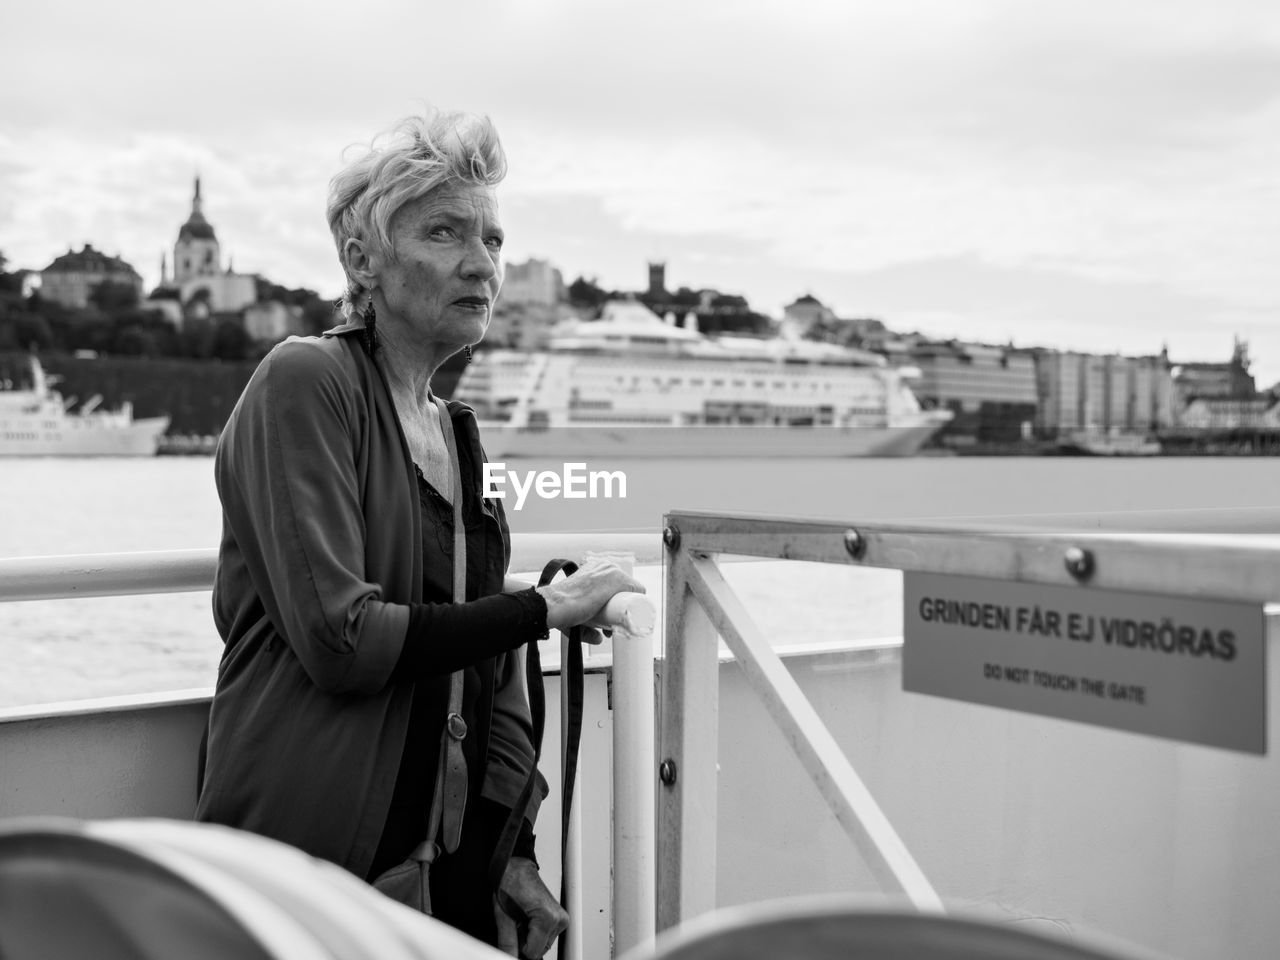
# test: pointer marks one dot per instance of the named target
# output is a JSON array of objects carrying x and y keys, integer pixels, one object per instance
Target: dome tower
[{"x": 196, "y": 253}]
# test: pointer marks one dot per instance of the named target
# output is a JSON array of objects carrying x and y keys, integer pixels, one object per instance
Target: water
[{"x": 71, "y": 649}]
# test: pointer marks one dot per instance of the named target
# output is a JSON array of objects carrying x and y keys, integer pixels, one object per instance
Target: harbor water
[{"x": 73, "y": 649}]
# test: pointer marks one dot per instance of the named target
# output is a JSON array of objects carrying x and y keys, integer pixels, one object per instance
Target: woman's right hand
[{"x": 577, "y": 599}]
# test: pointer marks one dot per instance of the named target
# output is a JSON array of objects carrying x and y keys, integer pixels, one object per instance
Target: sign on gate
[{"x": 1177, "y": 667}]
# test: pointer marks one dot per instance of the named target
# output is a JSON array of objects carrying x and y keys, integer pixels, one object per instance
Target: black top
[{"x": 521, "y": 613}]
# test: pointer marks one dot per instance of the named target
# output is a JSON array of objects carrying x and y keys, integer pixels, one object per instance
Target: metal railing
[
  {"x": 181, "y": 571},
  {"x": 631, "y": 617},
  {"x": 664, "y": 856},
  {"x": 701, "y": 608}
]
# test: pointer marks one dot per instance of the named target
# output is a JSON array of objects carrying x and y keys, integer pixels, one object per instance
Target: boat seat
[
  {"x": 161, "y": 889},
  {"x": 158, "y": 889},
  {"x": 840, "y": 929}
]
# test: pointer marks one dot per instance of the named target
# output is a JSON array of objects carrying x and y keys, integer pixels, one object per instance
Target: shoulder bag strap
[{"x": 450, "y": 801}]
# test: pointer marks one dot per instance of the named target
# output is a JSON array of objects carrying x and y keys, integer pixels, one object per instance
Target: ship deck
[{"x": 814, "y": 772}]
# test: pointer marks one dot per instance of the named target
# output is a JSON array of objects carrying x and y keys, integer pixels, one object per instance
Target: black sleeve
[
  {"x": 494, "y": 816},
  {"x": 475, "y": 631}
]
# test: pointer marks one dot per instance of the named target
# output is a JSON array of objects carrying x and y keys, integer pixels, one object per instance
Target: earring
[
  {"x": 370, "y": 334},
  {"x": 468, "y": 348}
]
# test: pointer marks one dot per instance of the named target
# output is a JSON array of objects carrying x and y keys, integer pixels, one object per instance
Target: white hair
[{"x": 405, "y": 163}]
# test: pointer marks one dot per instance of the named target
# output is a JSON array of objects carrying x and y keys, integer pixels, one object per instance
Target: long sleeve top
[{"x": 329, "y": 638}]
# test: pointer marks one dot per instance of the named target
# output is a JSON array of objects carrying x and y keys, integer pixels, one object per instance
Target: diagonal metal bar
[{"x": 822, "y": 758}]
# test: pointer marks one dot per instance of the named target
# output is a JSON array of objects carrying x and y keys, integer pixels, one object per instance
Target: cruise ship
[
  {"x": 35, "y": 422},
  {"x": 632, "y": 384}
]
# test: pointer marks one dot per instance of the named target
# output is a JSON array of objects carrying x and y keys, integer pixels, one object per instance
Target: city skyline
[{"x": 1078, "y": 176}]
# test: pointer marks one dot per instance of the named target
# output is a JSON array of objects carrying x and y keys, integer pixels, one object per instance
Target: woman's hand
[
  {"x": 541, "y": 919},
  {"x": 579, "y": 598}
]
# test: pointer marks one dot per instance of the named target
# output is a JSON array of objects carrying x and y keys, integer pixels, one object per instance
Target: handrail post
[
  {"x": 690, "y": 724},
  {"x": 634, "y": 845}
]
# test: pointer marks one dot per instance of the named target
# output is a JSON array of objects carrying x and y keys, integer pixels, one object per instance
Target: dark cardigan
[{"x": 319, "y": 583}]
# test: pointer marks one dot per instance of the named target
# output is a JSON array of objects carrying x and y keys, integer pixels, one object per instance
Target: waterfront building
[
  {"x": 716, "y": 312},
  {"x": 990, "y": 389},
  {"x": 72, "y": 277},
  {"x": 28, "y": 281},
  {"x": 866, "y": 332},
  {"x": 1059, "y": 377},
  {"x": 1232, "y": 413},
  {"x": 1102, "y": 393},
  {"x": 523, "y": 326},
  {"x": 1096, "y": 390},
  {"x": 197, "y": 266},
  {"x": 658, "y": 282},
  {"x": 165, "y": 301},
  {"x": 1152, "y": 393},
  {"x": 271, "y": 321},
  {"x": 532, "y": 282},
  {"x": 894, "y": 348},
  {"x": 803, "y": 314},
  {"x": 1208, "y": 380}
]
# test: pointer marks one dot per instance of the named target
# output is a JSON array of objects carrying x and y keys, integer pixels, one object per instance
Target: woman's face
[{"x": 446, "y": 266}]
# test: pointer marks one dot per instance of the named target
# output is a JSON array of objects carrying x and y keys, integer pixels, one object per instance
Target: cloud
[
  {"x": 1195, "y": 222},
  {"x": 1130, "y": 147}
]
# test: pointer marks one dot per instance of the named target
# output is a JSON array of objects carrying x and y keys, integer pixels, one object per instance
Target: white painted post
[
  {"x": 634, "y": 846},
  {"x": 690, "y": 730}
]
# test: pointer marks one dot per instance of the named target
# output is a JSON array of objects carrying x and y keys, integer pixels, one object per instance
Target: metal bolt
[
  {"x": 1079, "y": 562},
  {"x": 667, "y": 772},
  {"x": 671, "y": 537},
  {"x": 854, "y": 543}
]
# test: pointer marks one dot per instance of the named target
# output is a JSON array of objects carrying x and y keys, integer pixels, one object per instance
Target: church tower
[
  {"x": 196, "y": 253},
  {"x": 657, "y": 281},
  {"x": 197, "y": 268}
]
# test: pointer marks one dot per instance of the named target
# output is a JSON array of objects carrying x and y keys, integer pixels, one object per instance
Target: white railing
[
  {"x": 660, "y": 881},
  {"x": 631, "y": 617},
  {"x": 180, "y": 571},
  {"x": 701, "y": 607}
]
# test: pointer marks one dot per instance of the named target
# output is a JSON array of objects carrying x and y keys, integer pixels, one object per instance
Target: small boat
[
  {"x": 1110, "y": 444},
  {"x": 36, "y": 421}
]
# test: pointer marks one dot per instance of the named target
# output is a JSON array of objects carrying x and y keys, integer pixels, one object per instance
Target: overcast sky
[{"x": 1089, "y": 175}]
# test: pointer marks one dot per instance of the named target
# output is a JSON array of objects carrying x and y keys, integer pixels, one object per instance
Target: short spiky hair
[{"x": 405, "y": 163}]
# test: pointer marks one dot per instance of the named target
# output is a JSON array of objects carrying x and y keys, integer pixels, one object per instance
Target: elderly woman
[{"x": 335, "y": 584}]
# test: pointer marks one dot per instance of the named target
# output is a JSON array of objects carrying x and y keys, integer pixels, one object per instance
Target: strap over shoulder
[{"x": 451, "y": 784}]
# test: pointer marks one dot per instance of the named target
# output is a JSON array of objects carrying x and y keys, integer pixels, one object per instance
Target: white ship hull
[
  {"x": 1110, "y": 445},
  {"x": 34, "y": 422},
  {"x": 712, "y": 441},
  {"x": 139, "y": 438}
]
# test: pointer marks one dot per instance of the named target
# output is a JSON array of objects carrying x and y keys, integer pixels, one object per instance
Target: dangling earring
[
  {"x": 468, "y": 353},
  {"x": 370, "y": 319}
]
